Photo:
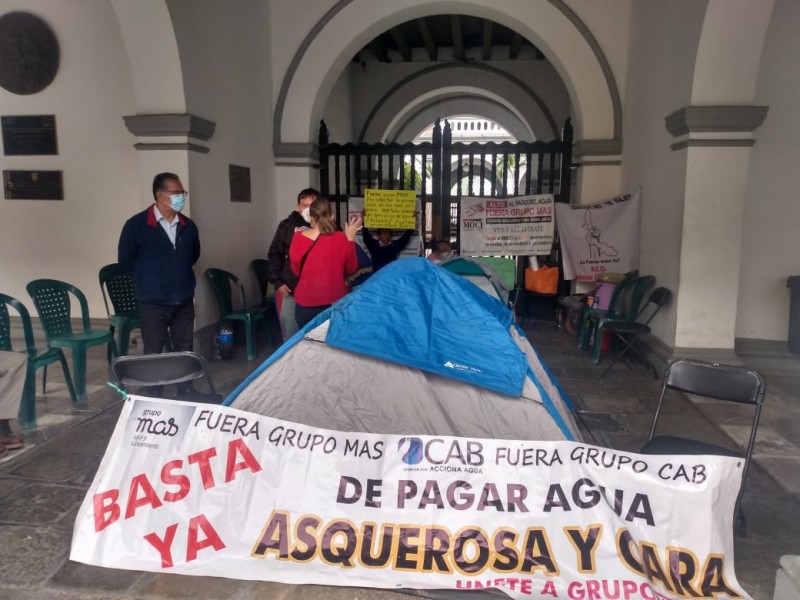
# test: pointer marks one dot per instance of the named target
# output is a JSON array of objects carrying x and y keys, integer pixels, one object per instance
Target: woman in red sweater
[{"x": 322, "y": 258}]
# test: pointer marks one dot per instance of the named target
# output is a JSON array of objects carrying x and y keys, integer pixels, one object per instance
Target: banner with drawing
[
  {"x": 601, "y": 237},
  {"x": 521, "y": 225},
  {"x": 209, "y": 490},
  {"x": 355, "y": 206}
]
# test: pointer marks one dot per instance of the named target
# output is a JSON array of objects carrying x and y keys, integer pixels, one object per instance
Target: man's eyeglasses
[{"x": 171, "y": 192}]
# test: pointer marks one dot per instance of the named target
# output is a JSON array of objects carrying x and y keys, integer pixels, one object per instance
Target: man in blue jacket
[{"x": 160, "y": 247}]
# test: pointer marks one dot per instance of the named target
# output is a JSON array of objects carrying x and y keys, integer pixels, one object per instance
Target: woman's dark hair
[{"x": 320, "y": 211}]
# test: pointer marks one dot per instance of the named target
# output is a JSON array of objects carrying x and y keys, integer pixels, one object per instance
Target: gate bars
[{"x": 443, "y": 171}]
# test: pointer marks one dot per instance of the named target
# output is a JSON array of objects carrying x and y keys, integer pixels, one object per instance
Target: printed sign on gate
[{"x": 497, "y": 226}]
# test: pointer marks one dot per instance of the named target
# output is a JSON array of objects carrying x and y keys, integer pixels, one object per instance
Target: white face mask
[
  {"x": 306, "y": 214},
  {"x": 177, "y": 202}
]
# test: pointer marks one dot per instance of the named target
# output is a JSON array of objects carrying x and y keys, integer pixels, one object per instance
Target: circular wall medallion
[{"x": 29, "y": 53}]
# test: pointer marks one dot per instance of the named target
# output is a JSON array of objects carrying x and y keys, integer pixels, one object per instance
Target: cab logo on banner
[{"x": 212, "y": 490}]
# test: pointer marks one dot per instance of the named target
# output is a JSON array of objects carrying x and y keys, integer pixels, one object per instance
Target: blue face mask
[{"x": 177, "y": 202}]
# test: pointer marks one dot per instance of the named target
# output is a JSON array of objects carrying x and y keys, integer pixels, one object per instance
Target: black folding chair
[
  {"x": 712, "y": 380},
  {"x": 629, "y": 331},
  {"x": 147, "y": 370}
]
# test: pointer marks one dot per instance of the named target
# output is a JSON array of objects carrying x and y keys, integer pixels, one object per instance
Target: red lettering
[
  {"x": 140, "y": 483},
  {"x": 102, "y": 508},
  {"x": 549, "y": 589},
  {"x": 163, "y": 546},
  {"x": 248, "y": 460},
  {"x": 194, "y": 545},
  {"x": 170, "y": 478},
  {"x": 201, "y": 459}
]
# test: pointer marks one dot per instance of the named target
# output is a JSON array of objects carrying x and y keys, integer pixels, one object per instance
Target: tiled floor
[{"x": 42, "y": 486}]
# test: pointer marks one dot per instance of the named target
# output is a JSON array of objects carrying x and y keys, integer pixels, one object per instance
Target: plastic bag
[{"x": 543, "y": 281}]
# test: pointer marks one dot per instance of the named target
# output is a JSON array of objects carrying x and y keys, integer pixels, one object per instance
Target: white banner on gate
[
  {"x": 601, "y": 237},
  {"x": 210, "y": 490},
  {"x": 520, "y": 225}
]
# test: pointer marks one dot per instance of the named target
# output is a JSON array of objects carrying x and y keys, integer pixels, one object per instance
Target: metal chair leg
[{"x": 619, "y": 356}]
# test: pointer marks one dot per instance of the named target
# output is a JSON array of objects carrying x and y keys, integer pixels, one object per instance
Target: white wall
[
  {"x": 659, "y": 82},
  {"x": 339, "y": 112},
  {"x": 772, "y": 211},
  {"x": 73, "y": 238},
  {"x": 609, "y": 23},
  {"x": 225, "y": 58},
  {"x": 291, "y": 21}
]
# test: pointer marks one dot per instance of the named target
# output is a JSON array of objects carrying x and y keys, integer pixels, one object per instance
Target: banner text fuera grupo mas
[{"x": 210, "y": 490}]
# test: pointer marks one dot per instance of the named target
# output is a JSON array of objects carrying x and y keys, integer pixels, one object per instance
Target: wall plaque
[
  {"x": 33, "y": 185},
  {"x": 29, "y": 53},
  {"x": 240, "y": 183},
  {"x": 29, "y": 135}
]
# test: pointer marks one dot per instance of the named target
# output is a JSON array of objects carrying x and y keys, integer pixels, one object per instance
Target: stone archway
[
  {"x": 558, "y": 31},
  {"x": 411, "y": 122},
  {"x": 153, "y": 55},
  {"x": 431, "y": 84}
]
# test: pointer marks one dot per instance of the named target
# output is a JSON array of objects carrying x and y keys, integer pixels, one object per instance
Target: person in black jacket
[
  {"x": 385, "y": 250},
  {"x": 278, "y": 269},
  {"x": 160, "y": 246}
]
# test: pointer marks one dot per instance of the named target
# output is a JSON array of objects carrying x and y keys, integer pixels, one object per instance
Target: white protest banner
[
  {"x": 355, "y": 206},
  {"x": 600, "y": 237},
  {"x": 520, "y": 225},
  {"x": 198, "y": 489}
]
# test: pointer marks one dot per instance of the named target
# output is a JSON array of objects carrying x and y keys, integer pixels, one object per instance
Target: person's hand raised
[{"x": 352, "y": 227}]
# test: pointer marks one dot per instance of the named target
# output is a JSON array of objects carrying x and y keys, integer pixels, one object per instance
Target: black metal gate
[{"x": 443, "y": 172}]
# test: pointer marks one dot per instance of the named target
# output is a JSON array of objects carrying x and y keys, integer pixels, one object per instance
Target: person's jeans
[
  {"x": 304, "y": 314},
  {"x": 286, "y": 308}
]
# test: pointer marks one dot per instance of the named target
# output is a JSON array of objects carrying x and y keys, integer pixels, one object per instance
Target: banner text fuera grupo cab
[{"x": 210, "y": 490}]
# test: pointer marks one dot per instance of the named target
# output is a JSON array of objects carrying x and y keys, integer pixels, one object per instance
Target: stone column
[
  {"x": 717, "y": 142},
  {"x": 597, "y": 170},
  {"x": 296, "y": 167},
  {"x": 164, "y": 143}
]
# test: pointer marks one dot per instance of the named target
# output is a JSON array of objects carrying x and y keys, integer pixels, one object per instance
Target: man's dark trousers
[{"x": 159, "y": 321}]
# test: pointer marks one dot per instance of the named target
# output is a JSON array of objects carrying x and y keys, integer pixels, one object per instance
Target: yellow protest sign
[{"x": 390, "y": 209}]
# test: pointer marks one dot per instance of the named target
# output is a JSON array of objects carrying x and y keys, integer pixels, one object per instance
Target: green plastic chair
[
  {"x": 36, "y": 358},
  {"x": 629, "y": 313},
  {"x": 221, "y": 282},
  {"x": 260, "y": 267},
  {"x": 589, "y": 316},
  {"x": 116, "y": 283},
  {"x": 52, "y": 301}
]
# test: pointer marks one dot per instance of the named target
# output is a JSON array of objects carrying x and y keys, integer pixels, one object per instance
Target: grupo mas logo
[
  {"x": 442, "y": 455},
  {"x": 150, "y": 423}
]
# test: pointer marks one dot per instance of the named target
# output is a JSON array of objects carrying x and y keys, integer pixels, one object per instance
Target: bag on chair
[{"x": 543, "y": 281}]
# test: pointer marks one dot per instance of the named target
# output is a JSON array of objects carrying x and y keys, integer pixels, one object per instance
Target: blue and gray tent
[
  {"x": 480, "y": 274},
  {"x": 415, "y": 350}
]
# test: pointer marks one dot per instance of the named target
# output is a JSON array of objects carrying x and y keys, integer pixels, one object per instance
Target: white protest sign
[
  {"x": 600, "y": 237},
  {"x": 198, "y": 489},
  {"x": 520, "y": 225}
]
